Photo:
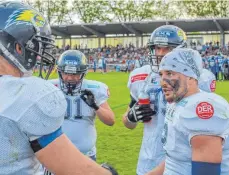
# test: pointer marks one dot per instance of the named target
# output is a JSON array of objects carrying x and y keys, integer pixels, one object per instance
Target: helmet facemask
[
  {"x": 72, "y": 87},
  {"x": 155, "y": 58},
  {"x": 45, "y": 59}
]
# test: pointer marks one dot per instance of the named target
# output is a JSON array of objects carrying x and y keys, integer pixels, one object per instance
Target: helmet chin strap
[
  {"x": 73, "y": 89},
  {"x": 154, "y": 62},
  {"x": 70, "y": 88}
]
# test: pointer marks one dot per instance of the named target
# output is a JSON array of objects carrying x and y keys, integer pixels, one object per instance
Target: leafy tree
[
  {"x": 133, "y": 10},
  {"x": 205, "y": 8},
  {"x": 91, "y": 11},
  {"x": 56, "y": 12}
]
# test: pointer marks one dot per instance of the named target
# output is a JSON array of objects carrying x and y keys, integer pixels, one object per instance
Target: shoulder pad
[
  {"x": 207, "y": 81},
  {"x": 47, "y": 112},
  {"x": 35, "y": 104},
  {"x": 205, "y": 113},
  {"x": 139, "y": 74},
  {"x": 137, "y": 80},
  {"x": 56, "y": 82},
  {"x": 21, "y": 93},
  {"x": 205, "y": 105},
  {"x": 99, "y": 89}
]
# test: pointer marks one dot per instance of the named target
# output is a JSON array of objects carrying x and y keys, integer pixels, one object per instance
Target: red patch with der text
[
  {"x": 138, "y": 77},
  {"x": 213, "y": 86},
  {"x": 204, "y": 110}
]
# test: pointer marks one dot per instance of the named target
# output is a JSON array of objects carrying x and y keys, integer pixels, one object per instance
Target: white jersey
[
  {"x": 29, "y": 109},
  {"x": 79, "y": 123},
  {"x": 151, "y": 153},
  {"x": 207, "y": 81},
  {"x": 100, "y": 63},
  {"x": 200, "y": 114}
]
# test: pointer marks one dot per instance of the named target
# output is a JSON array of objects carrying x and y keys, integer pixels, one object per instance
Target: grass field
[{"x": 117, "y": 145}]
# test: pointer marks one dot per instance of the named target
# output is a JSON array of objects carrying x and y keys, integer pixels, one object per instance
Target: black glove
[
  {"x": 89, "y": 98},
  {"x": 141, "y": 113},
  {"x": 110, "y": 168}
]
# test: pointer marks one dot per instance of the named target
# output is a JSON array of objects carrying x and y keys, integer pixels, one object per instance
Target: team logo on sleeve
[
  {"x": 138, "y": 77},
  {"x": 204, "y": 110},
  {"x": 213, "y": 86}
]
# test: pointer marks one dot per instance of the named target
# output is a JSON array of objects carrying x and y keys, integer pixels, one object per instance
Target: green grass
[{"x": 118, "y": 145}]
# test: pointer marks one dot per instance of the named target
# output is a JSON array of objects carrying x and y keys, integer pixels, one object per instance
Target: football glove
[
  {"x": 89, "y": 98},
  {"x": 142, "y": 113}
]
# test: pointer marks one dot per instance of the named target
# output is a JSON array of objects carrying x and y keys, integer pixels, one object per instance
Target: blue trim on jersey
[
  {"x": 47, "y": 139},
  {"x": 93, "y": 86},
  {"x": 202, "y": 168}
]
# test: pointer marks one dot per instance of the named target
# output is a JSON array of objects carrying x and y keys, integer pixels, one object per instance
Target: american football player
[
  {"x": 31, "y": 109},
  {"x": 196, "y": 123},
  {"x": 85, "y": 99},
  {"x": 146, "y": 80}
]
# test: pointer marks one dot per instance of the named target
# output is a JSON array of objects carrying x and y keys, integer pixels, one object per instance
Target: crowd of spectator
[
  {"x": 113, "y": 54},
  {"x": 215, "y": 57}
]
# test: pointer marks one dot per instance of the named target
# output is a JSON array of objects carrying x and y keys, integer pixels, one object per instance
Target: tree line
[{"x": 91, "y": 11}]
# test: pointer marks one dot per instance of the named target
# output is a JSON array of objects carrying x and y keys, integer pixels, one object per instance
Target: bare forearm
[
  {"x": 63, "y": 158},
  {"x": 158, "y": 170},
  {"x": 128, "y": 124},
  {"x": 106, "y": 116}
]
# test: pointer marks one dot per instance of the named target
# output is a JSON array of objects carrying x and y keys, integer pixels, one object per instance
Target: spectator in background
[
  {"x": 104, "y": 64},
  {"x": 100, "y": 63},
  {"x": 67, "y": 47},
  {"x": 94, "y": 64},
  {"x": 136, "y": 62},
  {"x": 226, "y": 69},
  {"x": 213, "y": 66},
  {"x": 219, "y": 63}
]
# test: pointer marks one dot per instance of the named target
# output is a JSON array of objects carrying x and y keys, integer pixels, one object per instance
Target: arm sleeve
[{"x": 134, "y": 88}]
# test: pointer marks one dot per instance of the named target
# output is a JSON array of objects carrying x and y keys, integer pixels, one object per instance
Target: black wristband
[
  {"x": 96, "y": 107},
  {"x": 110, "y": 168}
]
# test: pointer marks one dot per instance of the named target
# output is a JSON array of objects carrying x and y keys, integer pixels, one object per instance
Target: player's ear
[{"x": 193, "y": 80}]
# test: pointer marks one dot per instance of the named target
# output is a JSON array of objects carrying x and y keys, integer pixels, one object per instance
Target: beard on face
[{"x": 174, "y": 90}]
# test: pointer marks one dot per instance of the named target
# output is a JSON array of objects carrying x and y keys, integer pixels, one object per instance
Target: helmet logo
[
  {"x": 162, "y": 37},
  {"x": 163, "y": 33},
  {"x": 181, "y": 34},
  {"x": 84, "y": 59},
  {"x": 71, "y": 62},
  {"x": 25, "y": 16}
]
